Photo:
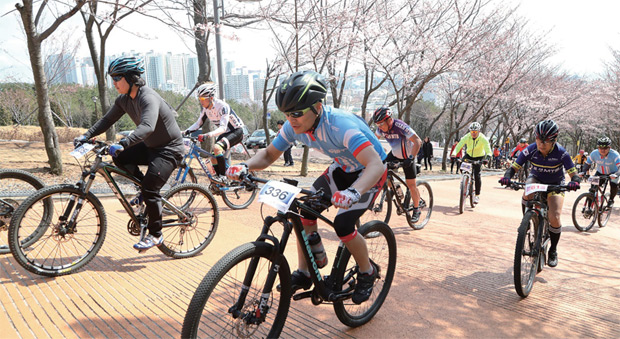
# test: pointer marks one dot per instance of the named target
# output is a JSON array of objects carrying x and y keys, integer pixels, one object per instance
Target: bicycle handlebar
[{"x": 550, "y": 188}]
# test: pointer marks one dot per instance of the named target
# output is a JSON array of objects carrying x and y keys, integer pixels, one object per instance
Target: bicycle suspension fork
[{"x": 259, "y": 313}]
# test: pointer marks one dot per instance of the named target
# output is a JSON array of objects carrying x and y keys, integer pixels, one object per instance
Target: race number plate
[
  {"x": 82, "y": 150},
  {"x": 466, "y": 167},
  {"x": 594, "y": 180},
  {"x": 278, "y": 194},
  {"x": 532, "y": 188}
]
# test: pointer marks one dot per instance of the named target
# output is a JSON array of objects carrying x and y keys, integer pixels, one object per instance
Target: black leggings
[
  {"x": 161, "y": 163},
  {"x": 335, "y": 179},
  {"x": 476, "y": 170}
]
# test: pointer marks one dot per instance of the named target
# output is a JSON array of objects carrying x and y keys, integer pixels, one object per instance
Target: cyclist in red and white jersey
[{"x": 229, "y": 131}]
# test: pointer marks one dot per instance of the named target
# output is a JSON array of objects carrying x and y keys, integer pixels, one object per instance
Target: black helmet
[
  {"x": 381, "y": 114},
  {"x": 522, "y": 141},
  {"x": 126, "y": 65},
  {"x": 546, "y": 130},
  {"x": 603, "y": 142},
  {"x": 300, "y": 91}
]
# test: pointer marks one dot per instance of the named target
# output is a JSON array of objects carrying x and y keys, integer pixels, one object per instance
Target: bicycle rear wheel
[
  {"x": 15, "y": 187},
  {"x": 463, "y": 193},
  {"x": 381, "y": 209},
  {"x": 188, "y": 235},
  {"x": 382, "y": 252},
  {"x": 209, "y": 311},
  {"x": 426, "y": 204},
  {"x": 236, "y": 196},
  {"x": 56, "y": 247},
  {"x": 585, "y": 211},
  {"x": 604, "y": 212},
  {"x": 526, "y": 254}
]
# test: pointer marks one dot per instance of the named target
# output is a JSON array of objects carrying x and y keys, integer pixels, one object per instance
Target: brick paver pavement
[{"x": 453, "y": 279}]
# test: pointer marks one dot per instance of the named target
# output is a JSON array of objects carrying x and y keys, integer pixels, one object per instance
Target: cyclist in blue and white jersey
[
  {"x": 351, "y": 182},
  {"x": 229, "y": 131},
  {"x": 607, "y": 161},
  {"x": 405, "y": 144},
  {"x": 548, "y": 161}
]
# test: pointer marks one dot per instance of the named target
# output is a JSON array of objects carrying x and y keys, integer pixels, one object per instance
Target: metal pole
[{"x": 218, "y": 49}]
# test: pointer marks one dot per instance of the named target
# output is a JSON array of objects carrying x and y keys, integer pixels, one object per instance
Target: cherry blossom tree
[{"x": 35, "y": 35}]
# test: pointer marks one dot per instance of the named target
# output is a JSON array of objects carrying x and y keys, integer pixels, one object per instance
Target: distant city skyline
[{"x": 582, "y": 33}]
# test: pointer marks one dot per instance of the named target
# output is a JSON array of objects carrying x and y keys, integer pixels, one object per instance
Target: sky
[{"x": 582, "y": 32}]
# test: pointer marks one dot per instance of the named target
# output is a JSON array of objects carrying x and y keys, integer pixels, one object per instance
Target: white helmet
[
  {"x": 206, "y": 90},
  {"x": 475, "y": 126}
]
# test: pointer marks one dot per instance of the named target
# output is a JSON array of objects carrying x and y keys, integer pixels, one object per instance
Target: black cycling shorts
[
  {"x": 410, "y": 171},
  {"x": 335, "y": 179}
]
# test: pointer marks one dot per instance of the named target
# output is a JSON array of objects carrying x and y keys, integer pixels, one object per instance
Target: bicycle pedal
[{"x": 141, "y": 251}]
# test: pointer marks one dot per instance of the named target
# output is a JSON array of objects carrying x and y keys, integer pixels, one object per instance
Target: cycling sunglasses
[
  {"x": 116, "y": 78},
  {"x": 204, "y": 98},
  {"x": 297, "y": 114}
]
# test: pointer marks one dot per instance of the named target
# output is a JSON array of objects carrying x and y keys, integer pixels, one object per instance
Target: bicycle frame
[
  {"x": 291, "y": 221},
  {"x": 106, "y": 170},
  {"x": 392, "y": 177},
  {"x": 195, "y": 152},
  {"x": 598, "y": 190}
]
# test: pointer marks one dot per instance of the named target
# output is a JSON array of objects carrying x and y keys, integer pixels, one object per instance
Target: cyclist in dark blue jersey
[
  {"x": 351, "y": 182},
  {"x": 405, "y": 144},
  {"x": 548, "y": 161}
]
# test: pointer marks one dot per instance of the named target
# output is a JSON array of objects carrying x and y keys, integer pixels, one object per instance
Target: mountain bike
[
  {"x": 15, "y": 187},
  {"x": 392, "y": 191},
  {"x": 74, "y": 232},
  {"x": 467, "y": 184},
  {"x": 237, "y": 297},
  {"x": 233, "y": 193},
  {"x": 592, "y": 206},
  {"x": 533, "y": 236}
]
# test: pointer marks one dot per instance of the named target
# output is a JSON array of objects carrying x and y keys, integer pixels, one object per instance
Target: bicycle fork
[{"x": 258, "y": 313}]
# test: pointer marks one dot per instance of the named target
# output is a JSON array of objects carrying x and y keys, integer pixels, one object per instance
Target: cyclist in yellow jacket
[{"x": 477, "y": 149}]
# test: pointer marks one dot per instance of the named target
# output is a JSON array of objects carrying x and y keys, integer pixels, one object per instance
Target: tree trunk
[{"x": 46, "y": 122}]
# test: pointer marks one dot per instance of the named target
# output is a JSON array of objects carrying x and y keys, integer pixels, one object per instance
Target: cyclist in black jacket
[{"x": 156, "y": 141}]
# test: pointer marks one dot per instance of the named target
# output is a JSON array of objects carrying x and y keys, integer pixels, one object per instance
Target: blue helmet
[{"x": 126, "y": 65}]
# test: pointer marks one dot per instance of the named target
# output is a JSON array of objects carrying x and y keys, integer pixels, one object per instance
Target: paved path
[{"x": 454, "y": 279}]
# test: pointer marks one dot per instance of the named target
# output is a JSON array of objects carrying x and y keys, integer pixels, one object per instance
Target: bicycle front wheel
[
  {"x": 526, "y": 254},
  {"x": 236, "y": 196},
  {"x": 381, "y": 208},
  {"x": 65, "y": 241},
  {"x": 188, "y": 234},
  {"x": 224, "y": 305},
  {"x": 15, "y": 187},
  {"x": 585, "y": 211},
  {"x": 382, "y": 252},
  {"x": 426, "y": 204},
  {"x": 463, "y": 193},
  {"x": 604, "y": 212},
  {"x": 470, "y": 191}
]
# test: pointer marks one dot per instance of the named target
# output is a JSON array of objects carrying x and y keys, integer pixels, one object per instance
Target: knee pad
[{"x": 218, "y": 149}]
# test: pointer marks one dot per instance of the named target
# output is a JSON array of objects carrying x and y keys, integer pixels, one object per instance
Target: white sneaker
[{"x": 476, "y": 199}]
